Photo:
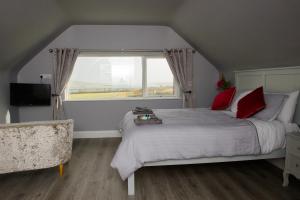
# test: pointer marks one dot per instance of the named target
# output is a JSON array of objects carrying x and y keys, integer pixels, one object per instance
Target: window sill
[{"x": 128, "y": 99}]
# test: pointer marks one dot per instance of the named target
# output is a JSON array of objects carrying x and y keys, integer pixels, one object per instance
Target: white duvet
[{"x": 193, "y": 133}]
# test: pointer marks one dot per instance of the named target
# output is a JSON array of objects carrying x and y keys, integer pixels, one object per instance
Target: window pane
[
  {"x": 105, "y": 78},
  {"x": 159, "y": 78}
]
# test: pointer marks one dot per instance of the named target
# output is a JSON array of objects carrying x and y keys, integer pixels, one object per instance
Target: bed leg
[
  {"x": 285, "y": 179},
  {"x": 131, "y": 185}
]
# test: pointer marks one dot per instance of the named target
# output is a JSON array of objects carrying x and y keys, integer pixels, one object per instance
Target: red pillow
[
  {"x": 223, "y": 99},
  {"x": 251, "y": 104}
]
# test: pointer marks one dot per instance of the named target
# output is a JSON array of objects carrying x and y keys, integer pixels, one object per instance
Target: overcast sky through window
[{"x": 121, "y": 71}]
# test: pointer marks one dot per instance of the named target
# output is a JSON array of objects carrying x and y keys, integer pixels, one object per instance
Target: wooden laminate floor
[{"x": 89, "y": 176}]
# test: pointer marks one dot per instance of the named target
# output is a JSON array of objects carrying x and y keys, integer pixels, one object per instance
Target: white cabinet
[{"x": 292, "y": 159}]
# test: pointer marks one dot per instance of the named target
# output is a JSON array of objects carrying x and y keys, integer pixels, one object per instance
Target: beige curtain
[
  {"x": 64, "y": 60},
  {"x": 181, "y": 64}
]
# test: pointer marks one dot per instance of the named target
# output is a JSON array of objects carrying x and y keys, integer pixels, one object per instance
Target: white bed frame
[
  {"x": 276, "y": 80},
  {"x": 276, "y": 154}
]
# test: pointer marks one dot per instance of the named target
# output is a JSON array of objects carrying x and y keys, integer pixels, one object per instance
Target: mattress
[{"x": 193, "y": 133}]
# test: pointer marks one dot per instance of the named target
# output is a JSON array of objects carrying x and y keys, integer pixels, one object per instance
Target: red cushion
[
  {"x": 251, "y": 103},
  {"x": 223, "y": 99}
]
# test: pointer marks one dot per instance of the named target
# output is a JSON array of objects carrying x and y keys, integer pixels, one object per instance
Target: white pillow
[
  {"x": 287, "y": 112},
  {"x": 237, "y": 99},
  {"x": 274, "y": 103}
]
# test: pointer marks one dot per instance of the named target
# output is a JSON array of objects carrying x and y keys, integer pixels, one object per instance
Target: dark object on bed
[
  {"x": 140, "y": 110},
  {"x": 147, "y": 120}
]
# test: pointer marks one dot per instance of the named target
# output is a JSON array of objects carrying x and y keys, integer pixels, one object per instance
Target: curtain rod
[{"x": 120, "y": 50}]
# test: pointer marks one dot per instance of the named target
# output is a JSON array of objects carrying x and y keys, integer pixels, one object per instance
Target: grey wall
[
  {"x": 105, "y": 115},
  {"x": 4, "y": 95},
  {"x": 96, "y": 115}
]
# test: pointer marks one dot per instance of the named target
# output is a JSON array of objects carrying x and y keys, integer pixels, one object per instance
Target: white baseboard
[{"x": 97, "y": 134}]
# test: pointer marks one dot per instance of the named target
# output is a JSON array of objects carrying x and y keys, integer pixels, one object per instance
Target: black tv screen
[{"x": 27, "y": 94}]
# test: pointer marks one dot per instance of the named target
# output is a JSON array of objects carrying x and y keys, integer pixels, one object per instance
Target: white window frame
[{"x": 144, "y": 56}]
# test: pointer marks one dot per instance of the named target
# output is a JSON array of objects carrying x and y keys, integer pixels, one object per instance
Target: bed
[{"x": 222, "y": 137}]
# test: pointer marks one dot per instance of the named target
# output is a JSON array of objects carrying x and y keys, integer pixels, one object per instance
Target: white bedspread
[
  {"x": 186, "y": 134},
  {"x": 271, "y": 134}
]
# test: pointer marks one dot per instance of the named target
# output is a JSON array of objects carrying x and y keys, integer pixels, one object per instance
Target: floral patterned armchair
[{"x": 35, "y": 145}]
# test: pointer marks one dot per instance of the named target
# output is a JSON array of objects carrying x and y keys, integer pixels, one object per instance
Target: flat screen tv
[{"x": 27, "y": 94}]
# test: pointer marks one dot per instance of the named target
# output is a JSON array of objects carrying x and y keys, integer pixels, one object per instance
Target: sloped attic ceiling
[
  {"x": 154, "y": 12},
  {"x": 241, "y": 34},
  {"x": 232, "y": 34},
  {"x": 26, "y": 26}
]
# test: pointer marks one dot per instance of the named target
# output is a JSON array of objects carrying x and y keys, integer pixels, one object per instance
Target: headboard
[{"x": 285, "y": 79}]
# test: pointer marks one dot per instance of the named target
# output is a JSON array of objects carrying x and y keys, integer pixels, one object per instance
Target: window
[
  {"x": 160, "y": 81},
  {"x": 121, "y": 76}
]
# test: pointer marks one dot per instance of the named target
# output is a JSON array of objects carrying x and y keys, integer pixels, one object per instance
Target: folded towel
[
  {"x": 139, "y": 110},
  {"x": 147, "y": 120}
]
